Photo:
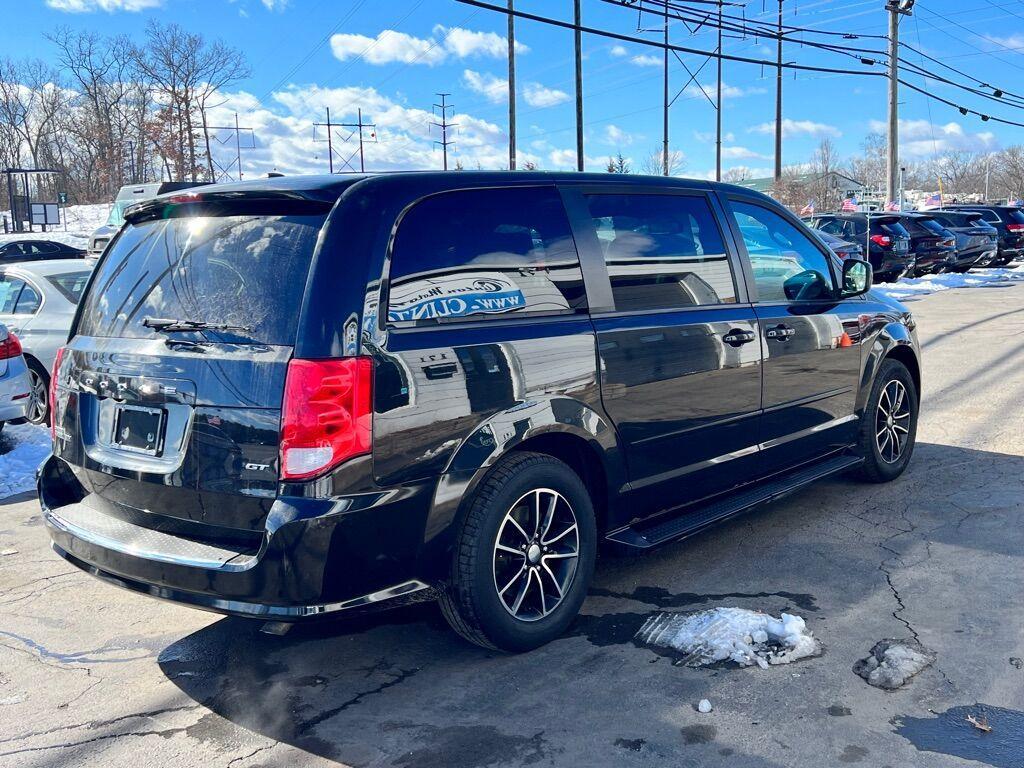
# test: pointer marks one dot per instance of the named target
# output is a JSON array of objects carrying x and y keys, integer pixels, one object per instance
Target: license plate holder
[{"x": 139, "y": 429}]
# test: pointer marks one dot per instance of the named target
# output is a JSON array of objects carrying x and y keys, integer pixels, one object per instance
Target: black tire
[
  {"x": 38, "y": 372},
  {"x": 879, "y": 466},
  {"x": 470, "y": 599}
]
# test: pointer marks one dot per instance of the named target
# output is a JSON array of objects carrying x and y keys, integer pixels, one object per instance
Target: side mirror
[{"x": 856, "y": 278}]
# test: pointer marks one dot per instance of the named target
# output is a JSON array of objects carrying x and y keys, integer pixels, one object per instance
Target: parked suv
[
  {"x": 977, "y": 242},
  {"x": 296, "y": 396},
  {"x": 886, "y": 239},
  {"x": 933, "y": 246},
  {"x": 1009, "y": 223}
]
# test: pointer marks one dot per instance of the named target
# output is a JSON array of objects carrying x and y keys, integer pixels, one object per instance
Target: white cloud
[
  {"x": 920, "y": 138},
  {"x": 275, "y": 5},
  {"x": 618, "y": 51},
  {"x": 728, "y": 91},
  {"x": 615, "y": 135},
  {"x": 392, "y": 46},
  {"x": 1014, "y": 41},
  {"x": 537, "y": 95},
  {"x": 709, "y": 136},
  {"x": 741, "y": 153},
  {"x": 646, "y": 60},
  {"x": 495, "y": 89},
  {"x": 110, "y": 6},
  {"x": 791, "y": 128}
]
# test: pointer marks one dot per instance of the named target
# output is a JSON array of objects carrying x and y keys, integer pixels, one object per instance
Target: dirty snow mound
[
  {"x": 892, "y": 663},
  {"x": 26, "y": 447},
  {"x": 911, "y": 288},
  {"x": 736, "y": 634}
]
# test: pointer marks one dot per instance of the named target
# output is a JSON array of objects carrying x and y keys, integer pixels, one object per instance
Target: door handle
[
  {"x": 737, "y": 337},
  {"x": 780, "y": 332}
]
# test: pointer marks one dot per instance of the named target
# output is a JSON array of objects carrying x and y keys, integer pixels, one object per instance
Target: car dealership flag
[
  {"x": 1015, "y": 201},
  {"x": 808, "y": 210},
  {"x": 892, "y": 205},
  {"x": 933, "y": 201},
  {"x": 850, "y": 204}
]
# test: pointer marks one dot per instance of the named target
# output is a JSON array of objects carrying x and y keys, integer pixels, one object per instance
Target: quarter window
[
  {"x": 28, "y": 302},
  {"x": 787, "y": 265},
  {"x": 487, "y": 253},
  {"x": 662, "y": 251},
  {"x": 10, "y": 291}
]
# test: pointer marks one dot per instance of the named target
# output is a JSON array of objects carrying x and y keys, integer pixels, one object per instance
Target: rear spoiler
[{"x": 227, "y": 203}]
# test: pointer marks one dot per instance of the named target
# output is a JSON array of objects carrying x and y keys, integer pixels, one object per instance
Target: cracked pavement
[{"x": 91, "y": 675}]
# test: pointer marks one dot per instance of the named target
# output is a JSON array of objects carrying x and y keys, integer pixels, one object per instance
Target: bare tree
[
  {"x": 1008, "y": 171},
  {"x": 869, "y": 168},
  {"x": 821, "y": 185},
  {"x": 654, "y": 165},
  {"x": 961, "y": 171}
]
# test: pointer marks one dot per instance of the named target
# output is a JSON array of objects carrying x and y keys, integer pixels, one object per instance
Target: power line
[{"x": 444, "y": 125}]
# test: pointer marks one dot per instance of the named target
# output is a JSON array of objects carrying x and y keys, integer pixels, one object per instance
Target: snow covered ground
[
  {"x": 31, "y": 445},
  {"x": 905, "y": 289},
  {"x": 81, "y": 220}
]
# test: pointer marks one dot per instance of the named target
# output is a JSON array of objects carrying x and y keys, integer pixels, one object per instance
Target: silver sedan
[
  {"x": 14, "y": 379},
  {"x": 38, "y": 302}
]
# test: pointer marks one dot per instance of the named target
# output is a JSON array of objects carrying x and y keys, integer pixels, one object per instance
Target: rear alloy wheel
[
  {"x": 889, "y": 423},
  {"x": 524, "y": 555},
  {"x": 39, "y": 395}
]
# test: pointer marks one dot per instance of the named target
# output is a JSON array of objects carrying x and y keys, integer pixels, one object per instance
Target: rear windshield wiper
[{"x": 169, "y": 325}]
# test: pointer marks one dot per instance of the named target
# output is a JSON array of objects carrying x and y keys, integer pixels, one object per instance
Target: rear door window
[
  {"x": 662, "y": 251},
  {"x": 247, "y": 270},
  {"x": 480, "y": 254},
  {"x": 10, "y": 292}
]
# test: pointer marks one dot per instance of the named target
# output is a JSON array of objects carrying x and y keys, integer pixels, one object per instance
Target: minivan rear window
[{"x": 246, "y": 270}]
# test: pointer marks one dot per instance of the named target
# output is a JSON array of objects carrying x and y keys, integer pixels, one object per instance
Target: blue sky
[{"x": 310, "y": 54}]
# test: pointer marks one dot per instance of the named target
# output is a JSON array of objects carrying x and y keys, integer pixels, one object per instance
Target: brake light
[
  {"x": 1015, "y": 227},
  {"x": 883, "y": 240},
  {"x": 327, "y": 415},
  {"x": 185, "y": 197},
  {"x": 842, "y": 255},
  {"x": 10, "y": 347},
  {"x": 950, "y": 243},
  {"x": 54, "y": 378}
]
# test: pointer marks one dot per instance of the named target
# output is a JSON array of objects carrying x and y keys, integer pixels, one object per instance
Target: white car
[
  {"x": 38, "y": 302},
  {"x": 15, "y": 384}
]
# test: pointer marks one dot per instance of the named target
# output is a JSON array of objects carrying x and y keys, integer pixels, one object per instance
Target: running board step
[{"x": 697, "y": 519}]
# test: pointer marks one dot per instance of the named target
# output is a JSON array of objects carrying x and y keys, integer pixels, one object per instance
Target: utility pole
[
  {"x": 359, "y": 125},
  {"x": 511, "y": 86},
  {"x": 237, "y": 129},
  {"x": 664, "y": 121},
  {"x": 444, "y": 125},
  {"x": 330, "y": 144},
  {"x": 578, "y": 34},
  {"x": 718, "y": 102},
  {"x": 778, "y": 101},
  {"x": 896, "y": 8}
]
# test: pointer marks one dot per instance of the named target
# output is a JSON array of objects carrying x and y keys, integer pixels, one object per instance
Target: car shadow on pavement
[{"x": 399, "y": 688}]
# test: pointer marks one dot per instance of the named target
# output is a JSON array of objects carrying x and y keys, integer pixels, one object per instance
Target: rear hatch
[
  {"x": 890, "y": 234},
  {"x": 176, "y": 427},
  {"x": 1014, "y": 219},
  {"x": 931, "y": 234}
]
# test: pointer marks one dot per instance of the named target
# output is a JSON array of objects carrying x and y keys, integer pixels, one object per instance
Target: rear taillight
[
  {"x": 883, "y": 240},
  {"x": 1015, "y": 227},
  {"x": 10, "y": 347},
  {"x": 948, "y": 243},
  {"x": 842, "y": 254},
  {"x": 327, "y": 415},
  {"x": 54, "y": 379}
]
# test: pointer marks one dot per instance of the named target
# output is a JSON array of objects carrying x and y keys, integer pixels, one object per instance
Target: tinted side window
[
  {"x": 662, "y": 251},
  {"x": 787, "y": 265},
  {"x": 474, "y": 254},
  {"x": 10, "y": 290},
  {"x": 834, "y": 227},
  {"x": 28, "y": 302}
]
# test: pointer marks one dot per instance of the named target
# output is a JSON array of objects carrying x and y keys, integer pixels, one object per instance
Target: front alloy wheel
[
  {"x": 892, "y": 421},
  {"x": 535, "y": 554}
]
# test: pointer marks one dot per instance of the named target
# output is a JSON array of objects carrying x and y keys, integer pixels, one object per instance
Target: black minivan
[{"x": 288, "y": 397}]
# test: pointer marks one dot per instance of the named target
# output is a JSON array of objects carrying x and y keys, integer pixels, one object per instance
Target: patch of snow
[
  {"x": 921, "y": 286},
  {"x": 704, "y": 706},
  {"x": 737, "y": 634},
  {"x": 31, "y": 446},
  {"x": 82, "y": 221},
  {"x": 892, "y": 663}
]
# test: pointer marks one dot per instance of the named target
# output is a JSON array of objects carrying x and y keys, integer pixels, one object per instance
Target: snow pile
[
  {"x": 921, "y": 286},
  {"x": 82, "y": 221},
  {"x": 22, "y": 449},
  {"x": 892, "y": 663},
  {"x": 736, "y": 634}
]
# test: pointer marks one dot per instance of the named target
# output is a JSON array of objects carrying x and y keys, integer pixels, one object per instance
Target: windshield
[
  {"x": 234, "y": 270},
  {"x": 116, "y": 217}
]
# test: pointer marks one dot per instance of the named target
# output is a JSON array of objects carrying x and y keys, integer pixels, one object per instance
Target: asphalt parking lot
[{"x": 90, "y": 675}]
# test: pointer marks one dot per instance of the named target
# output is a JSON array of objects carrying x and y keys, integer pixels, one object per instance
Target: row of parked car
[{"x": 952, "y": 239}]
